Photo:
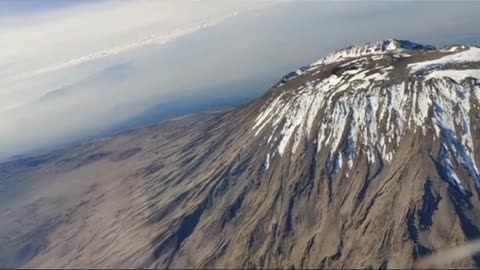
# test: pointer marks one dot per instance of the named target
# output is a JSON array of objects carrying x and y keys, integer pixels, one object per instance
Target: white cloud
[
  {"x": 152, "y": 39},
  {"x": 65, "y": 48},
  {"x": 59, "y": 39}
]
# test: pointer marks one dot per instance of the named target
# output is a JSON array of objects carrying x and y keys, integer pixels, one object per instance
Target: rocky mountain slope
[{"x": 366, "y": 158}]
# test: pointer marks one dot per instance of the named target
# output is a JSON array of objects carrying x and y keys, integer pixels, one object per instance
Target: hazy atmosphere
[
  {"x": 239, "y": 134},
  {"x": 73, "y": 70}
]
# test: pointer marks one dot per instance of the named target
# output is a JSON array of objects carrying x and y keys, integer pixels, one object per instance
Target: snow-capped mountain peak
[
  {"x": 368, "y": 161},
  {"x": 378, "y": 47},
  {"x": 366, "y": 99},
  {"x": 396, "y": 44}
]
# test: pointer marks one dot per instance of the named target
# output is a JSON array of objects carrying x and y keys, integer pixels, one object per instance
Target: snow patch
[
  {"x": 470, "y": 55},
  {"x": 457, "y": 75}
]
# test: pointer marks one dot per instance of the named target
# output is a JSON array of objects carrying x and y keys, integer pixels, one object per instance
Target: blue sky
[
  {"x": 72, "y": 70},
  {"x": 16, "y": 7}
]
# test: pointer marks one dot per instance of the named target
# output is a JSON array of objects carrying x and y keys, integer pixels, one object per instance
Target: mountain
[{"x": 366, "y": 158}]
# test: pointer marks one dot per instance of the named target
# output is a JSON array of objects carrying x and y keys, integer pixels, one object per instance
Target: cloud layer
[
  {"x": 78, "y": 71},
  {"x": 56, "y": 75}
]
